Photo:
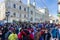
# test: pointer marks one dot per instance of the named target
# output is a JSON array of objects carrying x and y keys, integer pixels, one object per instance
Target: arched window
[
  {"x": 14, "y": 14},
  {"x": 14, "y": 5},
  {"x": 20, "y": 7}
]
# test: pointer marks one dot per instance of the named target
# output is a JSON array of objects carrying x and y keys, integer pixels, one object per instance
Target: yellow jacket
[{"x": 12, "y": 37}]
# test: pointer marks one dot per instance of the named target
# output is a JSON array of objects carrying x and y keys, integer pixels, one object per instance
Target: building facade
[
  {"x": 58, "y": 6},
  {"x": 44, "y": 14},
  {"x": 20, "y": 12},
  {"x": 59, "y": 10},
  {"x": 2, "y": 11},
  {"x": 17, "y": 10}
]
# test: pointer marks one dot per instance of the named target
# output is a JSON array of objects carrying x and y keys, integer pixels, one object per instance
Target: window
[
  {"x": 14, "y": 5},
  {"x": 25, "y": 16},
  {"x": 20, "y": 7},
  {"x": 14, "y": 14},
  {"x": 31, "y": 12},
  {"x": 20, "y": 15},
  {"x": 31, "y": 18},
  {"x": 20, "y": 1},
  {"x": 24, "y": 9}
]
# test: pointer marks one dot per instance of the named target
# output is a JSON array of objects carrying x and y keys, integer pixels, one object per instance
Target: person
[
  {"x": 42, "y": 33},
  {"x": 54, "y": 33},
  {"x": 37, "y": 35},
  {"x": 4, "y": 31},
  {"x": 40, "y": 25},
  {"x": 20, "y": 34},
  {"x": 13, "y": 36},
  {"x": 32, "y": 35},
  {"x": 47, "y": 35},
  {"x": 59, "y": 33},
  {"x": 0, "y": 34},
  {"x": 17, "y": 29},
  {"x": 8, "y": 33},
  {"x": 24, "y": 34}
]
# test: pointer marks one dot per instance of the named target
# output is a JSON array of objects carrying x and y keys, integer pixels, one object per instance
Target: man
[
  {"x": 54, "y": 33},
  {"x": 59, "y": 33},
  {"x": 13, "y": 36},
  {"x": 47, "y": 35},
  {"x": 8, "y": 33}
]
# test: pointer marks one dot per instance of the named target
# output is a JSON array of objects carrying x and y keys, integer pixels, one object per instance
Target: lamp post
[{"x": 7, "y": 15}]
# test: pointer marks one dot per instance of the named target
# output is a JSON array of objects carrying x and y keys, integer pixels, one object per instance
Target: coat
[
  {"x": 54, "y": 33},
  {"x": 37, "y": 36},
  {"x": 13, "y": 37}
]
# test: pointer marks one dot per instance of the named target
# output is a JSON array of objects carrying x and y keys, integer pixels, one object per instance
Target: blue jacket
[
  {"x": 40, "y": 25},
  {"x": 58, "y": 33},
  {"x": 54, "y": 33}
]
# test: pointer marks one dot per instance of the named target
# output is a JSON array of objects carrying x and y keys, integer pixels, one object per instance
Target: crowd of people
[{"x": 29, "y": 31}]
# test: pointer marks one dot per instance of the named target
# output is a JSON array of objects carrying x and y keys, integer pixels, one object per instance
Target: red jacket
[
  {"x": 21, "y": 34},
  {"x": 31, "y": 36}
]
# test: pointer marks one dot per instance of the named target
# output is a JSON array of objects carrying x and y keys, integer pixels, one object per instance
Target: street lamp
[{"x": 7, "y": 15}]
